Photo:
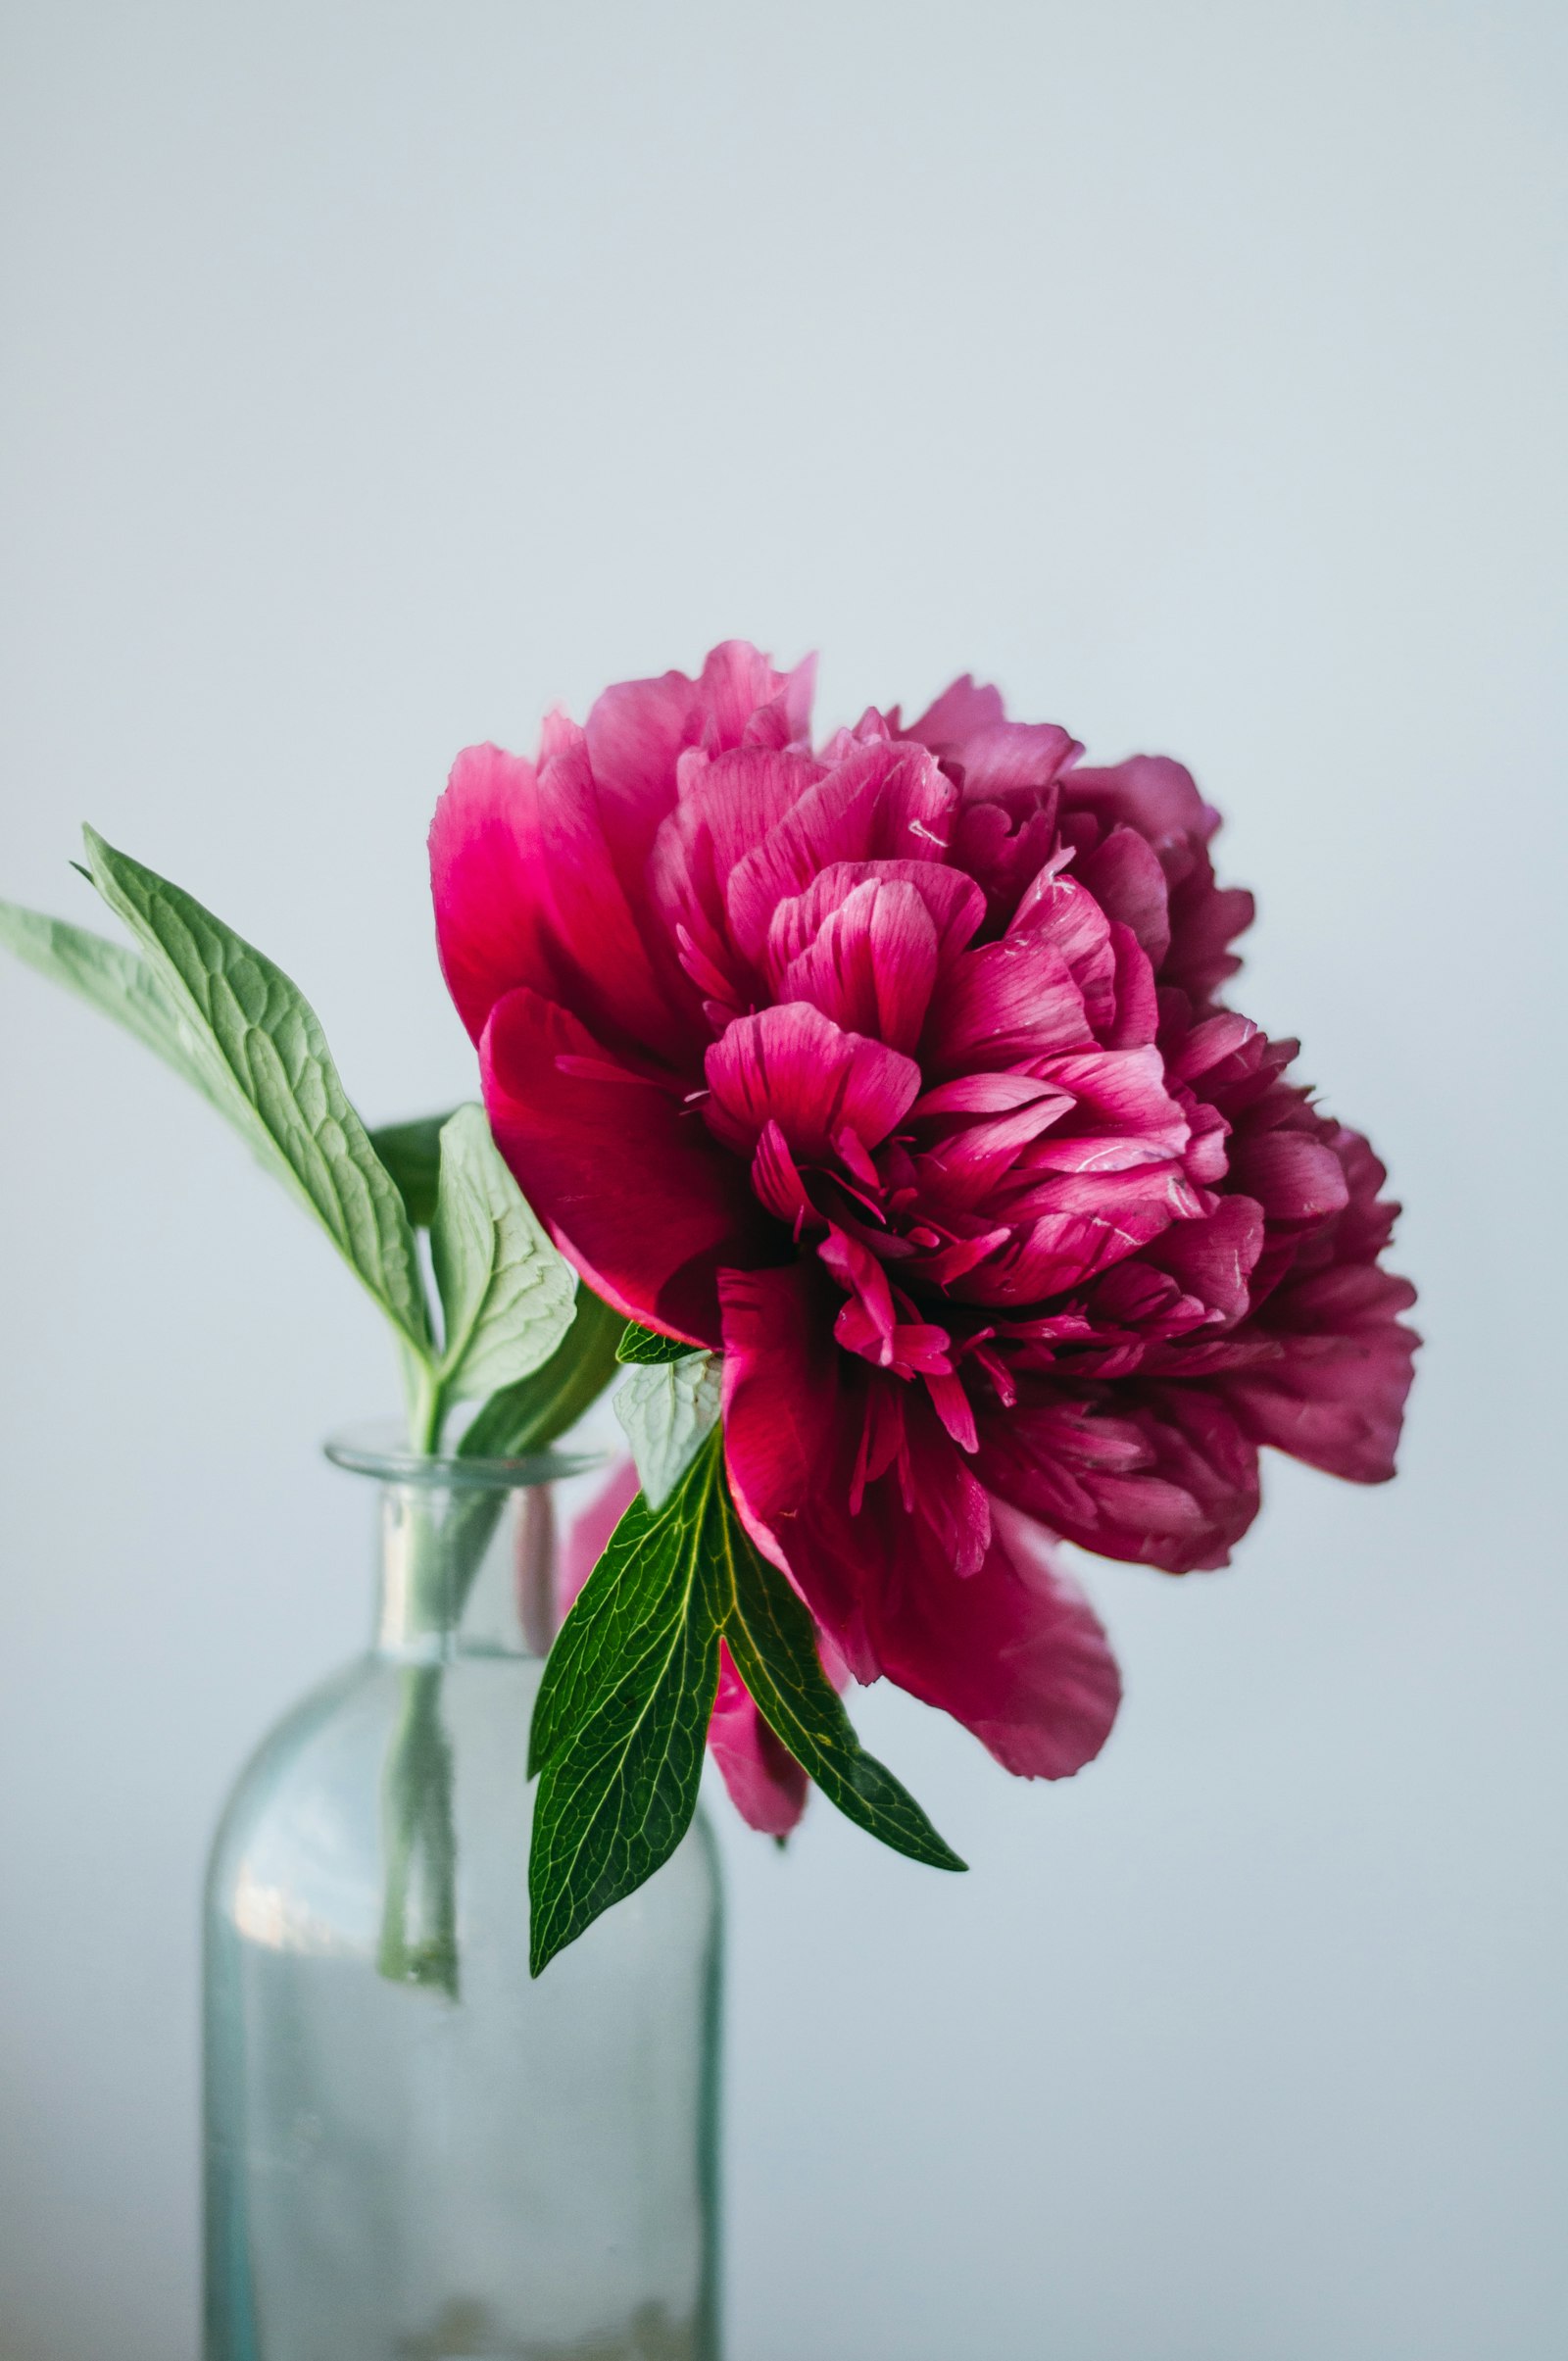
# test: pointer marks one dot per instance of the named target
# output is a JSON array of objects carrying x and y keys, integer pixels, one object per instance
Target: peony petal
[
  {"x": 487, "y": 875},
  {"x": 1168, "y": 1476},
  {"x": 958, "y": 715},
  {"x": 1149, "y": 794},
  {"x": 628, "y": 1182},
  {"x": 766, "y": 1785},
  {"x": 616, "y": 987},
  {"x": 1336, "y": 1401},
  {"x": 1002, "y": 1005},
  {"x": 1015, "y": 1653},
  {"x": 1292, "y": 1176},
  {"x": 725, "y": 804},
  {"x": 882, "y": 803},
  {"x": 789, "y": 1445},
  {"x": 873, "y": 964},
  {"x": 955, "y": 904},
  {"x": 794, "y": 1066},
  {"x": 1124, "y": 875}
]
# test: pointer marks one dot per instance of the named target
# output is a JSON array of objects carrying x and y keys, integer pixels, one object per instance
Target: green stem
[{"x": 420, "y": 1900}]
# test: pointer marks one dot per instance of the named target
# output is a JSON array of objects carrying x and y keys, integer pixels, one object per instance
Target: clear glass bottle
[{"x": 413, "y": 2151}]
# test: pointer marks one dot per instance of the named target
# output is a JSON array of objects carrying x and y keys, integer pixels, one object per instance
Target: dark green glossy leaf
[
  {"x": 772, "y": 1641},
  {"x": 622, "y": 1713},
  {"x": 639, "y": 1344},
  {"x": 412, "y": 1153}
]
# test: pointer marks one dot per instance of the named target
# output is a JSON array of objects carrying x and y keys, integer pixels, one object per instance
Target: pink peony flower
[{"x": 897, "y": 1070}]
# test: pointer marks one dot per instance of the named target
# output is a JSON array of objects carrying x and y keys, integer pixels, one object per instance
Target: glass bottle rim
[{"x": 383, "y": 1451}]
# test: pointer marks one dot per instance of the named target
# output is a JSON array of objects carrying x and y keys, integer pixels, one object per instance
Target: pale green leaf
[
  {"x": 412, "y": 1153},
  {"x": 115, "y": 981},
  {"x": 669, "y": 1409},
  {"x": 262, "y": 1058},
  {"x": 506, "y": 1292},
  {"x": 532, "y": 1414}
]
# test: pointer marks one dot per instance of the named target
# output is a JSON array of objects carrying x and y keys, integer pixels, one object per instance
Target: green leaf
[
  {"x": 622, "y": 1714},
  {"x": 529, "y": 1415},
  {"x": 262, "y": 1058},
  {"x": 622, "y": 1710},
  {"x": 412, "y": 1153},
  {"x": 113, "y": 980},
  {"x": 641, "y": 1344},
  {"x": 774, "y": 1642},
  {"x": 669, "y": 1411},
  {"x": 506, "y": 1294}
]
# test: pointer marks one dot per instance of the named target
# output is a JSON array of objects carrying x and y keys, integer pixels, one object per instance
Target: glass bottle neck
[{"x": 465, "y": 1571}]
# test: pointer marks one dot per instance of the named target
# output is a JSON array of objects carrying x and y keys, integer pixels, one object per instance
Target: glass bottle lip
[{"x": 383, "y": 1451}]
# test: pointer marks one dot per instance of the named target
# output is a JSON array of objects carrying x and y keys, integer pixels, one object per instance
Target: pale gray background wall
[{"x": 378, "y": 374}]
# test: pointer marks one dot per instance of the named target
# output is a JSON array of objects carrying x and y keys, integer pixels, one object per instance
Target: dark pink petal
[
  {"x": 727, "y": 803},
  {"x": 1011, "y": 755},
  {"x": 1135, "y": 1017},
  {"x": 743, "y": 700},
  {"x": 1168, "y": 1476},
  {"x": 1214, "y": 1256},
  {"x": 629, "y": 1183},
  {"x": 766, "y": 1785},
  {"x": 954, "y": 902},
  {"x": 1122, "y": 1113},
  {"x": 883, "y": 802},
  {"x": 617, "y": 987},
  {"x": 792, "y": 1065},
  {"x": 1002, "y": 1005},
  {"x": 959, "y": 714},
  {"x": 1073, "y": 1225},
  {"x": 1292, "y": 1176},
  {"x": 487, "y": 876},
  {"x": 1124, "y": 875},
  {"x": 1015, "y": 1652},
  {"x": 1058, "y": 912},
  {"x": 634, "y": 733},
  {"x": 872, "y": 966},
  {"x": 791, "y": 1438},
  {"x": 983, "y": 1094},
  {"x": 1151, "y": 794},
  {"x": 842, "y": 1474},
  {"x": 1336, "y": 1401}
]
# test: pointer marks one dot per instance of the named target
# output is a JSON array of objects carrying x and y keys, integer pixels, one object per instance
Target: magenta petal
[
  {"x": 1168, "y": 1478},
  {"x": 1002, "y": 1005},
  {"x": 883, "y": 802},
  {"x": 1124, "y": 875},
  {"x": 793, "y": 1066},
  {"x": 629, "y": 1183},
  {"x": 790, "y": 1437},
  {"x": 618, "y": 988},
  {"x": 766, "y": 1785},
  {"x": 487, "y": 877},
  {"x": 873, "y": 964},
  {"x": 960, "y": 714},
  {"x": 1015, "y": 1652},
  {"x": 955, "y": 903},
  {"x": 1292, "y": 1176}
]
